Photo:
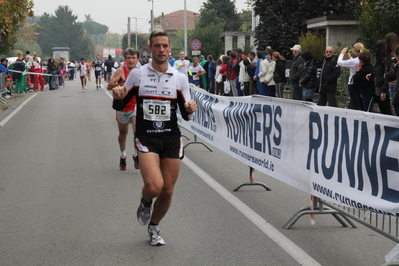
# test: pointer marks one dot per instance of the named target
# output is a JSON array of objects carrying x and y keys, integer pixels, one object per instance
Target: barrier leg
[
  {"x": 197, "y": 142},
  {"x": 318, "y": 208},
  {"x": 251, "y": 182}
]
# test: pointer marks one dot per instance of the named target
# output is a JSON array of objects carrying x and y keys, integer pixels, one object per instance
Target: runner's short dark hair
[{"x": 158, "y": 32}]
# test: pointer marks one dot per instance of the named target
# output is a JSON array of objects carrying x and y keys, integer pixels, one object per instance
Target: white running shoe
[
  {"x": 143, "y": 213},
  {"x": 155, "y": 236}
]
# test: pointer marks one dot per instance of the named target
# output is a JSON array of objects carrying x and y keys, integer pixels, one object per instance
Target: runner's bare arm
[{"x": 117, "y": 80}]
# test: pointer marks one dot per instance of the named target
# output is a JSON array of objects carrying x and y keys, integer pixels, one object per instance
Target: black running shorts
[{"x": 171, "y": 147}]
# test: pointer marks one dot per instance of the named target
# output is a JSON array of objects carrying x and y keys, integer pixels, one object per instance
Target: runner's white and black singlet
[
  {"x": 158, "y": 97},
  {"x": 83, "y": 70}
]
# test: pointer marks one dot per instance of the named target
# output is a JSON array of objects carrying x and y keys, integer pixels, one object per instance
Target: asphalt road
[{"x": 64, "y": 201}]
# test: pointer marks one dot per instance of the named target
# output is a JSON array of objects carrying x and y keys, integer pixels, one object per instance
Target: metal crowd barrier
[
  {"x": 383, "y": 224},
  {"x": 3, "y": 87}
]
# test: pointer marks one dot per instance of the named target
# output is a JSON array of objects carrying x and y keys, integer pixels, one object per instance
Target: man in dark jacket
[
  {"x": 296, "y": 72},
  {"x": 19, "y": 68},
  {"x": 109, "y": 65},
  {"x": 330, "y": 72}
]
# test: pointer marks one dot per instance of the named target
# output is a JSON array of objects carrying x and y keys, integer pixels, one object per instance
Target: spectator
[
  {"x": 308, "y": 80},
  {"x": 251, "y": 72},
  {"x": 211, "y": 70},
  {"x": 327, "y": 82},
  {"x": 352, "y": 63},
  {"x": 219, "y": 78},
  {"x": 391, "y": 42},
  {"x": 243, "y": 76},
  {"x": 262, "y": 86},
  {"x": 271, "y": 84},
  {"x": 279, "y": 74},
  {"x": 296, "y": 72},
  {"x": 381, "y": 92},
  {"x": 365, "y": 85}
]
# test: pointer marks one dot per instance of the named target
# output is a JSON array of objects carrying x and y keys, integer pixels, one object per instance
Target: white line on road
[
  {"x": 5, "y": 120},
  {"x": 296, "y": 252}
]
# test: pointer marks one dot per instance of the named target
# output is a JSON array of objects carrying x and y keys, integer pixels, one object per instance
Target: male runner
[
  {"x": 160, "y": 90},
  {"x": 98, "y": 71},
  {"x": 82, "y": 68},
  {"x": 182, "y": 64},
  {"x": 89, "y": 67},
  {"x": 128, "y": 114}
]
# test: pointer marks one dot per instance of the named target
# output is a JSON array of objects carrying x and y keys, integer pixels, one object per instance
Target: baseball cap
[{"x": 296, "y": 47}]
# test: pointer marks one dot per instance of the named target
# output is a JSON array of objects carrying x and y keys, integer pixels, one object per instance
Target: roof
[{"x": 175, "y": 20}]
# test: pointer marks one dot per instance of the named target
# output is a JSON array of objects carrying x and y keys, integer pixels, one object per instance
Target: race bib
[
  {"x": 156, "y": 110},
  {"x": 98, "y": 68}
]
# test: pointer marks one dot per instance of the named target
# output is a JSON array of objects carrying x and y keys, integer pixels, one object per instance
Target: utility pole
[{"x": 128, "y": 32}]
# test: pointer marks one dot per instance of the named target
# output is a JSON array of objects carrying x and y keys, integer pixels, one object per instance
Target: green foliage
[
  {"x": 375, "y": 23},
  {"x": 283, "y": 21},
  {"x": 112, "y": 40},
  {"x": 246, "y": 19},
  {"x": 225, "y": 10},
  {"x": 12, "y": 17},
  {"x": 142, "y": 41},
  {"x": 22, "y": 45},
  {"x": 62, "y": 30},
  {"x": 388, "y": 8},
  {"x": 314, "y": 42},
  {"x": 94, "y": 28}
]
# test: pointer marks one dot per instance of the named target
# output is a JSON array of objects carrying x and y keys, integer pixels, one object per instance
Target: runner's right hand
[{"x": 119, "y": 92}]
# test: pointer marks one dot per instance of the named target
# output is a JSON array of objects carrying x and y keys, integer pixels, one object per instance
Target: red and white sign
[{"x": 195, "y": 45}]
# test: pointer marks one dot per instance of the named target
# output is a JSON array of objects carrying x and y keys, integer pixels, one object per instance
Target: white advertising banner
[{"x": 342, "y": 156}]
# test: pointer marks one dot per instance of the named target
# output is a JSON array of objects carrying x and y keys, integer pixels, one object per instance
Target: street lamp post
[
  {"x": 128, "y": 32},
  {"x": 136, "y": 32},
  {"x": 152, "y": 15},
  {"x": 185, "y": 28}
]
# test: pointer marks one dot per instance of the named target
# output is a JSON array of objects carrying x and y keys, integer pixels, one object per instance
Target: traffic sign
[{"x": 195, "y": 44}]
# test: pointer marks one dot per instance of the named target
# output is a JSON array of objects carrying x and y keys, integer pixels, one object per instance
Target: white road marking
[
  {"x": 296, "y": 252},
  {"x": 5, "y": 120}
]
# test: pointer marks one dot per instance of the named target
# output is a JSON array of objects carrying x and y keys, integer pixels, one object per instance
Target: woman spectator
[
  {"x": 395, "y": 98},
  {"x": 365, "y": 85},
  {"x": 351, "y": 63},
  {"x": 391, "y": 42},
  {"x": 279, "y": 74},
  {"x": 271, "y": 84},
  {"x": 52, "y": 70},
  {"x": 382, "y": 97},
  {"x": 308, "y": 80},
  {"x": 219, "y": 78},
  {"x": 225, "y": 60},
  {"x": 263, "y": 65}
]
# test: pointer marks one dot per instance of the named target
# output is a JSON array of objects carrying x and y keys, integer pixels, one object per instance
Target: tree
[
  {"x": 225, "y": 10},
  {"x": 142, "y": 41},
  {"x": 283, "y": 21},
  {"x": 94, "y": 28},
  {"x": 375, "y": 21},
  {"x": 61, "y": 30},
  {"x": 12, "y": 17}
]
